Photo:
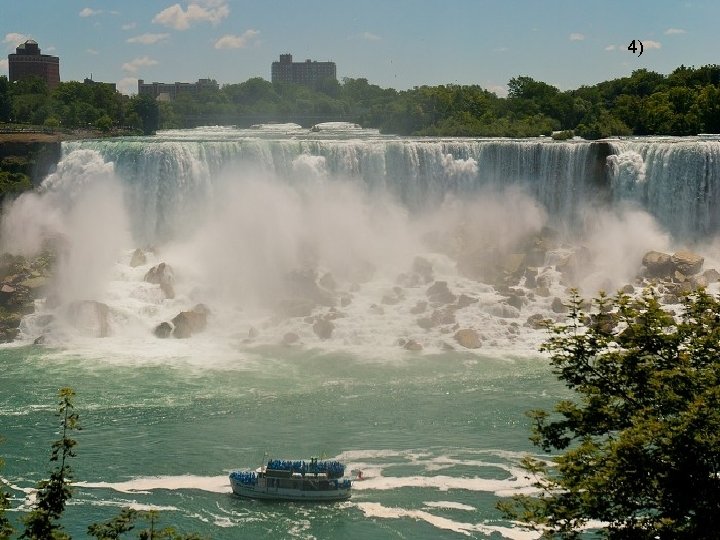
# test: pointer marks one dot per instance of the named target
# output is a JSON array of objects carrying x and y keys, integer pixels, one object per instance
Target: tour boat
[{"x": 289, "y": 480}]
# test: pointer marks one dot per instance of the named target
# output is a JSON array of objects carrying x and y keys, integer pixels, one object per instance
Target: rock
[
  {"x": 439, "y": 293},
  {"x": 531, "y": 274},
  {"x": 162, "y": 275},
  {"x": 393, "y": 298},
  {"x": 7, "y": 289},
  {"x": 425, "y": 323},
  {"x": 669, "y": 299},
  {"x": 323, "y": 328},
  {"x": 412, "y": 345},
  {"x": 542, "y": 291},
  {"x": 711, "y": 275},
  {"x": 163, "y": 330},
  {"x": 537, "y": 321},
  {"x": 557, "y": 306},
  {"x": 290, "y": 339},
  {"x": 698, "y": 282},
  {"x": 423, "y": 268},
  {"x": 627, "y": 289},
  {"x": 679, "y": 277},
  {"x": 295, "y": 307},
  {"x": 464, "y": 301},
  {"x": 345, "y": 300},
  {"x": 187, "y": 323},
  {"x": 328, "y": 282},
  {"x": 90, "y": 317},
  {"x": 377, "y": 310},
  {"x": 419, "y": 308},
  {"x": 505, "y": 311},
  {"x": 138, "y": 258},
  {"x": 658, "y": 264},
  {"x": 516, "y": 301},
  {"x": 544, "y": 280},
  {"x": 35, "y": 283},
  {"x": 40, "y": 340},
  {"x": 444, "y": 316},
  {"x": 468, "y": 338},
  {"x": 687, "y": 262},
  {"x": 253, "y": 333}
]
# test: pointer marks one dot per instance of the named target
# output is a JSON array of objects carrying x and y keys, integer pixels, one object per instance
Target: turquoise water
[{"x": 438, "y": 437}]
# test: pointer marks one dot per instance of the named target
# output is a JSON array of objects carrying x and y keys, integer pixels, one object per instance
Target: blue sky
[{"x": 396, "y": 43}]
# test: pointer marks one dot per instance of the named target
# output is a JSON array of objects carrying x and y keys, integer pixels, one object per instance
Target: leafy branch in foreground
[
  {"x": 640, "y": 443},
  {"x": 43, "y": 521}
]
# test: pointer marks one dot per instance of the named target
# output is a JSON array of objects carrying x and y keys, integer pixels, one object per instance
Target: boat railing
[
  {"x": 244, "y": 477},
  {"x": 333, "y": 469}
]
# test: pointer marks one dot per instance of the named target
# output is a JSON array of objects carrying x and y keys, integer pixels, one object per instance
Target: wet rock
[
  {"x": 531, "y": 273},
  {"x": 412, "y": 345},
  {"x": 187, "y": 323},
  {"x": 537, "y": 321},
  {"x": 669, "y": 299},
  {"x": 323, "y": 328},
  {"x": 464, "y": 301},
  {"x": 328, "y": 282},
  {"x": 543, "y": 291},
  {"x": 162, "y": 275},
  {"x": 557, "y": 306},
  {"x": 90, "y": 317},
  {"x": 345, "y": 300},
  {"x": 687, "y": 262},
  {"x": 419, "y": 308},
  {"x": 468, "y": 338},
  {"x": 377, "y": 310},
  {"x": 711, "y": 275},
  {"x": 505, "y": 311},
  {"x": 658, "y": 264},
  {"x": 138, "y": 258},
  {"x": 516, "y": 301},
  {"x": 253, "y": 333},
  {"x": 163, "y": 330},
  {"x": 425, "y": 323},
  {"x": 40, "y": 340},
  {"x": 439, "y": 293},
  {"x": 290, "y": 339},
  {"x": 627, "y": 289},
  {"x": 295, "y": 307},
  {"x": 423, "y": 268}
]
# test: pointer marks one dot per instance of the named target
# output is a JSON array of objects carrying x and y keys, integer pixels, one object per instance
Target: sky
[{"x": 392, "y": 43}]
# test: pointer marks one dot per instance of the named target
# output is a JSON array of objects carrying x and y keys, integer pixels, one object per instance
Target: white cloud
[
  {"x": 500, "y": 90},
  {"x": 15, "y": 39},
  {"x": 148, "y": 39},
  {"x": 51, "y": 49},
  {"x": 650, "y": 44},
  {"x": 610, "y": 48},
  {"x": 91, "y": 51},
  {"x": 575, "y": 36},
  {"x": 128, "y": 85},
  {"x": 501, "y": 49},
  {"x": 129, "y": 26},
  {"x": 673, "y": 31},
  {"x": 229, "y": 41},
  {"x": 175, "y": 17},
  {"x": 88, "y": 12},
  {"x": 4, "y": 64},
  {"x": 369, "y": 36},
  {"x": 137, "y": 63}
]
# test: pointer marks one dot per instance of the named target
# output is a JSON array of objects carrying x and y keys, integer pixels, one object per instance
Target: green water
[{"x": 439, "y": 437}]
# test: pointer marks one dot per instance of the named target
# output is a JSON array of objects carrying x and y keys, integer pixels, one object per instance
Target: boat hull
[{"x": 260, "y": 491}]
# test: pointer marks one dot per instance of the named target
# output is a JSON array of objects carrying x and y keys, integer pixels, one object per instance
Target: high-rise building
[
  {"x": 170, "y": 91},
  {"x": 309, "y": 72},
  {"x": 28, "y": 62}
]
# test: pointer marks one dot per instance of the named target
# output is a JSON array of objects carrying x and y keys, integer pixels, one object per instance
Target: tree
[
  {"x": 640, "y": 444},
  {"x": 52, "y": 495},
  {"x": 147, "y": 110}
]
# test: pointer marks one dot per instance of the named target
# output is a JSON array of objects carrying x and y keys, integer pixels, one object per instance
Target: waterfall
[{"x": 170, "y": 179}]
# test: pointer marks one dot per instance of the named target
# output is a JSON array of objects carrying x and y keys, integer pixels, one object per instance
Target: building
[
  {"x": 90, "y": 81},
  {"x": 28, "y": 62},
  {"x": 308, "y": 73},
  {"x": 170, "y": 91}
]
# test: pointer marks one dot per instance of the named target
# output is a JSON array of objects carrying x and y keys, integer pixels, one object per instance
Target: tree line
[{"x": 685, "y": 102}]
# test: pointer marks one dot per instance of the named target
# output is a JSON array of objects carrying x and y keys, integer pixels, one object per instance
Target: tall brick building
[
  {"x": 28, "y": 62},
  {"x": 309, "y": 72}
]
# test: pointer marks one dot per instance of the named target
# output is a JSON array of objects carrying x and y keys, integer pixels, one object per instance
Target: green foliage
[
  {"x": 13, "y": 183},
  {"x": 640, "y": 444},
  {"x": 42, "y": 522},
  {"x": 147, "y": 111},
  {"x": 563, "y": 135}
]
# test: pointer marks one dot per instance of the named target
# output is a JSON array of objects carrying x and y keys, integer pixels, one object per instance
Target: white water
[{"x": 235, "y": 214}]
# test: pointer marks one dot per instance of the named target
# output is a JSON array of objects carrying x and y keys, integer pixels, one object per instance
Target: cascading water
[
  {"x": 250, "y": 221},
  {"x": 348, "y": 279}
]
